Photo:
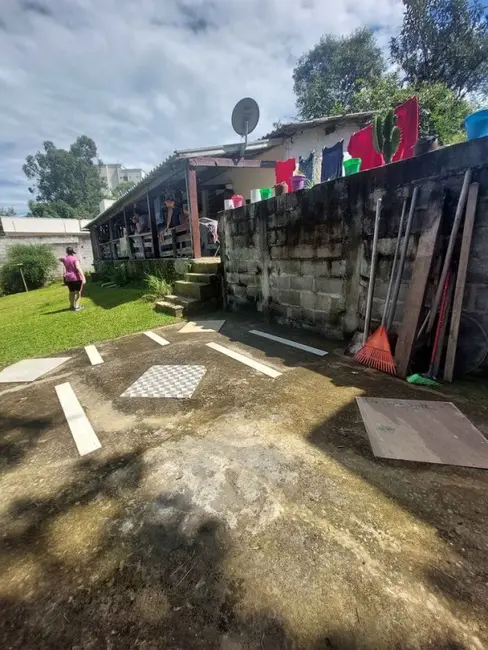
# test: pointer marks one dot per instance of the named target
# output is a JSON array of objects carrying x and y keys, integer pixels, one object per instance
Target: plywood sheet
[{"x": 422, "y": 431}]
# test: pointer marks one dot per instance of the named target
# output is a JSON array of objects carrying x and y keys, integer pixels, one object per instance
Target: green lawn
[{"x": 39, "y": 323}]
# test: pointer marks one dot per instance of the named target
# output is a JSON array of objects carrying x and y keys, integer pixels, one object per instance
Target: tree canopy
[
  {"x": 122, "y": 188},
  {"x": 7, "y": 211},
  {"x": 66, "y": 183},
  {"x": 327, "y": 77},
  {"x": 444, "y": 41},
  {"x": 441, "y": 112}
]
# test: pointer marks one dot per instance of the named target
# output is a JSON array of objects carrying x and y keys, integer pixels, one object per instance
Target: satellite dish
[{"x": 245, "y": 118}]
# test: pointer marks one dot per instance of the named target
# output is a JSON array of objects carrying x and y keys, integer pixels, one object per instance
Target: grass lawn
[{"x": 39, "y": 323}]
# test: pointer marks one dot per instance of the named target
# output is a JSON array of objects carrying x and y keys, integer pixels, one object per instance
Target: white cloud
[{"x": 144, "y": 78}]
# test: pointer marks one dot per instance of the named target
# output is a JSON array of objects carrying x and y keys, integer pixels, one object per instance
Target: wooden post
[
  {"x": 111, "y": 238},
  {"x": 127, "y": 233},
  {"x": 154, "y": 226},
  {"x": 191, "y": 188},
  {"x": 94, "y": 243}
]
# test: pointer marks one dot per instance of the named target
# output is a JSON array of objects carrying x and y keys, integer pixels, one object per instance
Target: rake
[{"x": 376, "y": 352}]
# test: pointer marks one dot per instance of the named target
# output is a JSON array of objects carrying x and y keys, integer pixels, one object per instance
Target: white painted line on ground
[
  {"x": 85, "y": 438},
  {"x": 93, "y": 354},
  {"x": 292, "y": 344},
  {"x": 261, "y": 367},
  {"x": 158, "y": 339}
]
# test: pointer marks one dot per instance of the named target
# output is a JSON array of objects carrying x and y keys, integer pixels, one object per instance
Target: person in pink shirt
[{"x": 74, "y": 278}]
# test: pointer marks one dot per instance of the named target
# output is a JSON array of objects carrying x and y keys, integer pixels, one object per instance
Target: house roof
[
  {"x": 284, "y": 130},
  {"x": 33, "y": 225},
  {"x": 175, "y": 165}
]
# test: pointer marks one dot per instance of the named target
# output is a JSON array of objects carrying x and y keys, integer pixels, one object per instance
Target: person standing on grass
[{"x": 74, "y": 278}]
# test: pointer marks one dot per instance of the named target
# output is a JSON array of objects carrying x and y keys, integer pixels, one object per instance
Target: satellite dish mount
[{"x": 245, "y": 118}]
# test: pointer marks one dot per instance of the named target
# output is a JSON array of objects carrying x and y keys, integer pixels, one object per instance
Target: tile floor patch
[
  {"x": 30, "y": 369},
  {"x": 202, "y": 326},
  {"x": 178, "y": 382}
]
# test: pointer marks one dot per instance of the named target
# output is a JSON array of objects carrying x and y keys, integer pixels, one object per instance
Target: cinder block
[
  {"x": 309, "y": 316},
  {"x": 315, "y": 268},
  {"x": 331, "y": 251},
  {"x": 329, "y": 285},
  {"x": 481, "y": 299},
  {"x": 338, "y": 268},
  {"x": 282, "y": 282},
  {"x": 290, "y": 298},
  {"x": 323, "y": 302},
  {"x": 292, "y": 267},
  {"x": 308, "y": 299},
  {"x": 302, "y": 282}
]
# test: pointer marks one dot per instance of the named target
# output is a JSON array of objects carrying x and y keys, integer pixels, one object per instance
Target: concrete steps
[{"x": 199, "y": 290}]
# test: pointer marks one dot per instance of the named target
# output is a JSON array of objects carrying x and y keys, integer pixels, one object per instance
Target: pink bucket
[
  {"x": 238, "y": 200},
  {"x": 298, "y": 182}
]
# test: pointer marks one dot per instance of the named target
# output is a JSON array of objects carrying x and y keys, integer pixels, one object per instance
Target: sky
[{"x": 146, "y": 77}]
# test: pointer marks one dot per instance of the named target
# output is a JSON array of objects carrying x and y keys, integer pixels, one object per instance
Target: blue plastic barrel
[{"x": 476, "y": 124}]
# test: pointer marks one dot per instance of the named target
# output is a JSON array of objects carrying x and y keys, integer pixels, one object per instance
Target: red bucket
[{"x": 238, "y": 200}]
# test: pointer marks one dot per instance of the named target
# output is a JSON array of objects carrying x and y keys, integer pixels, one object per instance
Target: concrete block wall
[{"x": 304, "y": 258}]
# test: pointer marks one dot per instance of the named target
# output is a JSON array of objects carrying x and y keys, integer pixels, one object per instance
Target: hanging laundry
[
  {"x": 284, "y": 171},
  {"x": 361, "y": 142},
  {"x": 332, "y": 161},
  {"x": 306, "y": 166}
]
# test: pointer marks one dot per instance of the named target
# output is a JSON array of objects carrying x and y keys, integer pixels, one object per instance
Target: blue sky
[{"x": 144, "y": 78}]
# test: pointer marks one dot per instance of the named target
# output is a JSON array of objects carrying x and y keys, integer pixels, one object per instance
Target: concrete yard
[{"x": 251, "y": 516}]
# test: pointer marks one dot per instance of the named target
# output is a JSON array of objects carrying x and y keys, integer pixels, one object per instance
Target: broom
[{"x": 428, "y": 378}]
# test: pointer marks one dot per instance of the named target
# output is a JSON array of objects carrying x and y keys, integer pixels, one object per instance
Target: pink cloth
[
  {"x": 284, "y": 171},
  {"x": 361, "y": 143},
  {"x": 70, "y": 271}
]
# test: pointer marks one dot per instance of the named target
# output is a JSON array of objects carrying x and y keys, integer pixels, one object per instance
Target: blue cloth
[
  {"x": 306, "y": 166},
  {"x": 332, "y": 162}
]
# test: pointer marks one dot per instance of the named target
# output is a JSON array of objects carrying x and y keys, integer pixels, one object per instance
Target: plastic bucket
[
  {"x": 352, "y": 166},
  {"x": 298, "y": 182},
  {"x": 266, "y": 193},
  {"x": 476, "y": 124},
  {"x": 238, "y": 200}
]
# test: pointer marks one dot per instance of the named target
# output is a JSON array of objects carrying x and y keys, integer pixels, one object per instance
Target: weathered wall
[{"x": 304, "y": 258}]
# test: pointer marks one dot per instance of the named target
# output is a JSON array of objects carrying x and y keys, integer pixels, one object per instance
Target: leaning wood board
[
  {"x": 461, "y": 281},
  {"x": 416, "y": 291},
  {"x": 422, "y": 431}
]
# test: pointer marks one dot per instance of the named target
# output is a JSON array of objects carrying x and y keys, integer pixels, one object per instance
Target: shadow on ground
[
  {"x": 101, "y": 568},
  {"x": 108, "y": 298}
]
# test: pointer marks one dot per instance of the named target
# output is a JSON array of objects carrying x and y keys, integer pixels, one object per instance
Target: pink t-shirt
[{"x": 71, "y": 273}]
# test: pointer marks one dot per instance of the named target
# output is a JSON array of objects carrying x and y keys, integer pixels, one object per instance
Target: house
[
  {"x": 190, "y": 186},
  {"x": 58, "y": 233}
]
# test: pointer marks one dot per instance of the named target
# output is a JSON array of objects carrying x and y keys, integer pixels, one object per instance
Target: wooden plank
[
  {"x": 191, "y": 181},
  {"x": 422, "y": 431},
  {"x": 416, "y": 291},
  {"x": 461, "y": 281},
  {"x": 154, "y": 227},
  {"x": 231, "y": 163}
]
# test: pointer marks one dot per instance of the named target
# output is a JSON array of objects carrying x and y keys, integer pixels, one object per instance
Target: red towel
[
  {"x": 284, "y": 171},
  {"x": 361, "y": 143}
]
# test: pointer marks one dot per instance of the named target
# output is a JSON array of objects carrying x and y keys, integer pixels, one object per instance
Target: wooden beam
[
  {"x": 192, "y": 192},
  {"x": 416, "y": 291},
  {"x": 232, "y": 163},
  {"x": 461, "y": 281},
  {"x": 154, "y": 226}
]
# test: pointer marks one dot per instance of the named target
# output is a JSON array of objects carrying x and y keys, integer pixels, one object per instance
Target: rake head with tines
[{"x": 376, "y": 352}]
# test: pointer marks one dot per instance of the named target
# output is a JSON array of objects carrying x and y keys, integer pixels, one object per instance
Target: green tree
[
  {"x": 441, "y": 112},
  {"x": 327, "y": 78},
  {"x": 122, "y": 188},
  {"x": 6, "y": 211},
  {"x": 444, "y": 41},
  {"x": 66, "y": 184}
]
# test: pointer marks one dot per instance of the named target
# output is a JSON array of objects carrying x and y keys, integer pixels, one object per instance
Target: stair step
[
  {"x": 168, "y": 308},
  {"x": 202, "y": 278},
  {"x": 200, "y": 266},
  {"x": 198, "y": 290}
]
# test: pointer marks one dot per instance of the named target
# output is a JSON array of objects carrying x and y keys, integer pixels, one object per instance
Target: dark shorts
[{"x": 74, "y": 286}]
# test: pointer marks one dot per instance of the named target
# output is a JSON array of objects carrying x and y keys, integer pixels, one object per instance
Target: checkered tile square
[{"x": 178, "y": 382}]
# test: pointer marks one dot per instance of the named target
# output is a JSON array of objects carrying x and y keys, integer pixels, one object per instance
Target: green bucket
[
  {"x": 266, "y": 193},
  {"x": 352, "y": 166}
]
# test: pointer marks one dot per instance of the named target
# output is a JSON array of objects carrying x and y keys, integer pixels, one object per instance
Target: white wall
[
  {"x": 81, "y": 242},
  {"x": 301, "y": 144}
]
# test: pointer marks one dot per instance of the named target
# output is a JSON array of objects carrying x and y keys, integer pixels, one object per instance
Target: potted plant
[{"x": 386, "y": 135}]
